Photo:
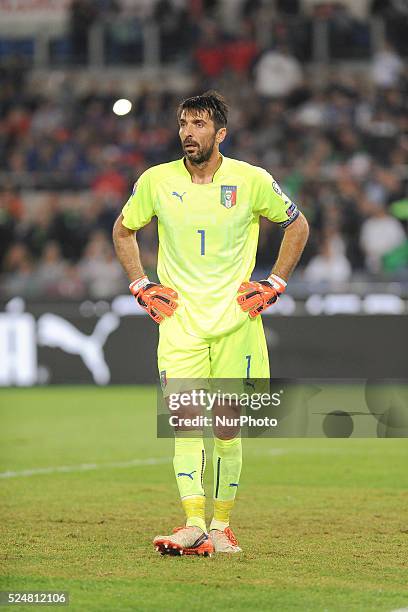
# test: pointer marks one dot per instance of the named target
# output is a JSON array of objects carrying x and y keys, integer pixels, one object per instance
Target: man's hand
[
  {"x": 158, "y": 301},
  {"x": 259, "y": 295}
]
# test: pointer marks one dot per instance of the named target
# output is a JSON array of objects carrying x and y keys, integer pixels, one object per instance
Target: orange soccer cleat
[
  {"x": 224, "y": 541},
  {"x": 184, "y": 541}
]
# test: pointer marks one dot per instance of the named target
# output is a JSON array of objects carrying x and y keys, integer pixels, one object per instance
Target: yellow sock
[
  {"x": 227, "y": 462},
  {"x": 189, "y": 466},
  {"x": 194, "y": 507},
  {"x": 222, "y": 510}
]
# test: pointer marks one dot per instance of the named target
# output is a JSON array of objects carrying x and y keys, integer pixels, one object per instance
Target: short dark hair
[{"x": 210, "y": 101}]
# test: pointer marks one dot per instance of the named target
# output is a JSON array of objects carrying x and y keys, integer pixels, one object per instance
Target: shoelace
[{"x": 230, "y": 535}]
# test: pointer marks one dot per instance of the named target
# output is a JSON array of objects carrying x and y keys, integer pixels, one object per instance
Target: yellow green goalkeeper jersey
[{"x": 208, "y": 235}]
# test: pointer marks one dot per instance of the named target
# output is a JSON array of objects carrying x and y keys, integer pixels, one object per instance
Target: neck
[{"x": 204, "y": 172}]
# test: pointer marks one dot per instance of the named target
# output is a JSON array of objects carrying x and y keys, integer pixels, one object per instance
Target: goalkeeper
[{"x": 208, "y": 208}]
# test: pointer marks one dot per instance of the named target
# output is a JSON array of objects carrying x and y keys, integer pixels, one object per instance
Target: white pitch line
[{"x": 85, "y": 467}]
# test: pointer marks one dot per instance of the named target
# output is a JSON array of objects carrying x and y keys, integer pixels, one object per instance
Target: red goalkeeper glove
[
  {"x": 259, "y": 295},
  {"x": 158, "y": 301}
]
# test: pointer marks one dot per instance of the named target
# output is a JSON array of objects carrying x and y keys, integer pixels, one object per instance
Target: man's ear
[{"x": 220, "y": 135}]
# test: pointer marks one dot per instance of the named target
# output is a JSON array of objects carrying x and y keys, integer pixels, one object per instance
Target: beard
[{"x": 202, "y": 153}]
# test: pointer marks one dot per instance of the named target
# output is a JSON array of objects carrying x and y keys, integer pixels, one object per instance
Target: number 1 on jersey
[
  {"x": 248, "y": 358},
  {"x": 202, "y": 232}
]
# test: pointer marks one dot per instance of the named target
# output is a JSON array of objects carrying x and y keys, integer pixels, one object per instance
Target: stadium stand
[{"x": 336, "y": 140}]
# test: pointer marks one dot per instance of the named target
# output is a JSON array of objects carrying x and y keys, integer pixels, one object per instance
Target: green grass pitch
[{"x": 323, "y": 523}]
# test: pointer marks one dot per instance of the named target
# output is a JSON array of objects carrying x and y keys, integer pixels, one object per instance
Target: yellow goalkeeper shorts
[{"x": 240, "y": 354}]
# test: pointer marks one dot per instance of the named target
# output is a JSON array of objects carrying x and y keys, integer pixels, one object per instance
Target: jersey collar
[{"x": 217, "y": 176}]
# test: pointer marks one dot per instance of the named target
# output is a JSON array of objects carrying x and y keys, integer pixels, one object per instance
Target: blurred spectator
[
  {"x": 277, "y": 73},
  {"x": 99, "y": 269},
  {"x": 330, "y": 265},
  {"x": 386, "y": 67},
  {"x": 82, "y": 15},
  {"x": 109, "y": 179},
  {"x": 312, "y": 113},
  {"x": 348, "y": 37},
  {"x": 380, "y": 234},
  {"x": 71, "y": 285},
  {"x": 395, "y": 14},
  {"x": 209, "y": 53},
  {"x": 19, "y": 269},
  {"x": 250, "y": 7},
  {"x": 51, "y": 270},
  {"x": 241, "y": 51},
  {"x": 123, "y": 34},
  {"x": 16, "y": 256},
  {"x": 288, "y": 7},
  {"x": 10, "y": 213},
  {"x": 39, "y": 231},
  {"x": 71, "y": 230},
  {"x": 175, "y": 30},
  {"x": 46, "y": 119}
]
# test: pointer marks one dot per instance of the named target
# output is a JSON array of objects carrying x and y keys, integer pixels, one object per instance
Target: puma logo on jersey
[
  {"x": 185, "y": 474},
  {"x": 180, "y": 197}
]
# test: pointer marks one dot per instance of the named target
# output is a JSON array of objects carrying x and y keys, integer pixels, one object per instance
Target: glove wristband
[
  {"x": 138, "y": 284},
  {"x": 277, "y": 283}
]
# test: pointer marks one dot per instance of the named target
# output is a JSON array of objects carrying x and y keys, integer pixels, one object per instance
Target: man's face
[{"x": 198, "y": 136}]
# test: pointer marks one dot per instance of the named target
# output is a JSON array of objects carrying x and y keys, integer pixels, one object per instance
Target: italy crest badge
[{"x": 228, "y": 195}]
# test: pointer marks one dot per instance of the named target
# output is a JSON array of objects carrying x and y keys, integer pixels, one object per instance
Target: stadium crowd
[{"x": 338, "y": 148}]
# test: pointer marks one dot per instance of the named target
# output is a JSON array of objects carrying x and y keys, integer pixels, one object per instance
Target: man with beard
[{"x": 208, "y": 208}]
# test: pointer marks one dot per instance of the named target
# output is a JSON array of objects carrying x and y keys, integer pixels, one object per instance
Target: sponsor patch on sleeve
[
  {"x": 292, "y": 209},
  {"x": 292, "y": 213}
]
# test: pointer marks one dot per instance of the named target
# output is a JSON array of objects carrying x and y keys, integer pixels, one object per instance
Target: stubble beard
[{"x": 202, "y": 155}]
